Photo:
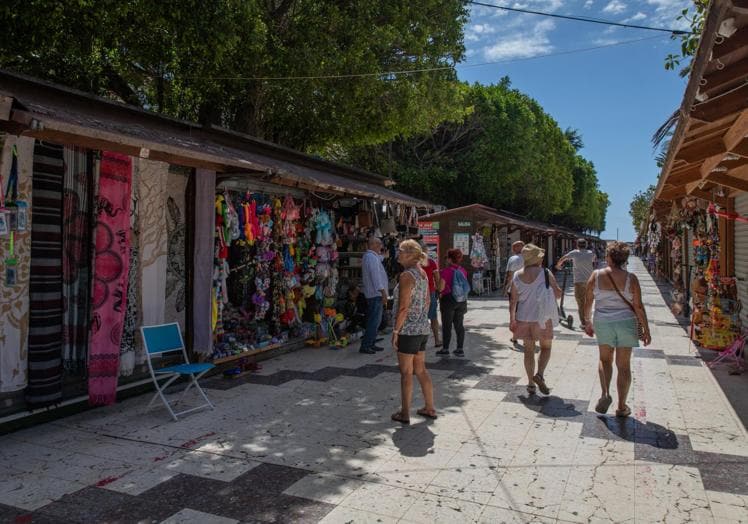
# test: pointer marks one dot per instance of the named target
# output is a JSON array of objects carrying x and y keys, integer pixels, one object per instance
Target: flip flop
[
  {"x": 531, "y": 389},
  {"x": 623, "y": 413},
  {"x": 424, "y": 413},
  {"x": 603, "y": 404},
  {"x": 398, "y": 417}
]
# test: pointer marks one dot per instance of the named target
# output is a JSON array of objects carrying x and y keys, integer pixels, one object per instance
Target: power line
[
  {"x": 583, "y": 19},
  {"x": 423, "y": 70}
]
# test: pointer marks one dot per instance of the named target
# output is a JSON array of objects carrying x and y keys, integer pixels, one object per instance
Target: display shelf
[{"x": 243, "y": 354}]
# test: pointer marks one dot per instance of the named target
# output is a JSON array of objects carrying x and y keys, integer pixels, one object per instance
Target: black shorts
[{"x": 411, "y": 344}]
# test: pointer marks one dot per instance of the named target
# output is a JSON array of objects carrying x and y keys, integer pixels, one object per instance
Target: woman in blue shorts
[{"x": 618, "y": 306}]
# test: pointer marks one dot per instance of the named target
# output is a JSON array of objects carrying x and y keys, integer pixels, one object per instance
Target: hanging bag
[{"x": 639, "y": 325}]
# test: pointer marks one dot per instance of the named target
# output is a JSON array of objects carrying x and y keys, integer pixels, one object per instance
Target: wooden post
[{"x": 727, "y": 242}]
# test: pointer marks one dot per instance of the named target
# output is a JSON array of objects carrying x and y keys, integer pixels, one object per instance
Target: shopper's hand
[
  {"x": 647, "y": 338},
  {"x": 513, "y": 326},
  {"x": 394, "y": 341},
  {"x": 589, "y": 329}
]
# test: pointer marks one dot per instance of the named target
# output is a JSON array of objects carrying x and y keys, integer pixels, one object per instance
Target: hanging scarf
[
  {"x": 76, "y": 262},
  {"x": 176, "y": 273},
  {"x": 129, "y": 345},
  {"x": 110, "y": 276},
  {"x": 45, "y": 294}
]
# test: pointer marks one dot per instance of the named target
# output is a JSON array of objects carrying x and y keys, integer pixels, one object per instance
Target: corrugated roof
[{"x": 56, "y": 113}]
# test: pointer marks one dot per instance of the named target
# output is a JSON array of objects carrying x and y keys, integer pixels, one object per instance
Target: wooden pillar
[{"x": 727, "y": 242}]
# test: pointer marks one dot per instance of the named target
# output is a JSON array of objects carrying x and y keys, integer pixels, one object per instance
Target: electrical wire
[
  {"x": 583, "y": 19},
  {"x": 424, "y": 70}
]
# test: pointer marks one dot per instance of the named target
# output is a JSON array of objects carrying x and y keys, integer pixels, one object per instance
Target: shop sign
[
  {"x": 430, "y": 233},
  {"x": 464, "y": 223}
]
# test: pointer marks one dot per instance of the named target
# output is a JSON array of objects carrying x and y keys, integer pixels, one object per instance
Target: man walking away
[
  {"x": 514, "y": 264},
  {"x": 375, "y": 290},
  {"x": 584, "y": 264}
]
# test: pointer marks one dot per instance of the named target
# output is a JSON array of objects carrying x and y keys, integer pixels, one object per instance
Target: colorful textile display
[
  {"x": 130, "y": 343},
  {"x": 176, "y": 273},
  {"x": 45, "y": 293},
  {"x": 112, "y": 238},
  {"x": 76, "y": 262},
  {"x": 14, "y": 300}
]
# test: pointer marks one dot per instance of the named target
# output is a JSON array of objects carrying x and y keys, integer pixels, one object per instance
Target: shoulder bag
[{"x": 639, "y": 325}]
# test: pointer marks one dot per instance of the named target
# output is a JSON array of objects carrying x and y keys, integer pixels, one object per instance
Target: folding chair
[{"x": 167, "y": 338}]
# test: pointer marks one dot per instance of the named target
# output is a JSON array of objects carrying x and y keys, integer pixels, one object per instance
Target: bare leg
[
  {"x": 406, "y": 381},
  {"x": 623, "y": 381},
  {"x": 545, "y": 355},
  {"x": 436, "y": 330},
  {"x": 529, "y": 346},
  {"x": 605, "y": 368},
  {"x": 424, "y": 379}
]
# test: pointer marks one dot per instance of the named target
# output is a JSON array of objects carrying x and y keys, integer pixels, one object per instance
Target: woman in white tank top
[{"x": 618, "y": 305}]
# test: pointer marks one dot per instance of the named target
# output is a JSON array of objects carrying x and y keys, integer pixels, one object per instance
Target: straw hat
[{"x": 532, "y": 254}]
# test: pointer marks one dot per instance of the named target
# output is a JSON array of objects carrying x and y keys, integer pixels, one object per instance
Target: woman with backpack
[
  {"x": 453, "y": 302},
  {"x": 533, "y": 313}
]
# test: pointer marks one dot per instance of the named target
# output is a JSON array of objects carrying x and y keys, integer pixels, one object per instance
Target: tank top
[
  {"x": 608, "y": 304},
  {"x": 528, "y": 297},
  {"x": 417, "y": 322}
]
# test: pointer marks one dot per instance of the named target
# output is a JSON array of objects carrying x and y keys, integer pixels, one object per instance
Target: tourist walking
[
  {"x": 533, "y": 312},
  {"x": 453, "y": 302},
  {"x": 432, "y": 272},
  {"x": 618, "y": 308},
  {"x": 375, "y": 286},
  {"x": 411, "y": 330},
  {"x": 514, "y": 264},
  {"x": 583, "y": 261}
]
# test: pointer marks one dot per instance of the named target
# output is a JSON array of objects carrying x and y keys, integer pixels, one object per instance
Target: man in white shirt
[
  {"x": 375, "y": 285},
  {"x": 514, "y": 264},
  {"x": 584, "y": 264}
]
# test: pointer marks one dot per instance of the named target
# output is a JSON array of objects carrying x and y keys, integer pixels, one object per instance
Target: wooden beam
[
  {"x": 709, "y": 164},
  {"x": 699, "y": 151},
  {"x": 737, "y": 132},
  {"x": 725, "y": 78},
  {"x": 721, "y": 105},
  {"x": 706, "y": 195},
  {"x": 6, "y": 105},
  {"x": 728, "y": 45},
  {"x": 724, "y": 179}
]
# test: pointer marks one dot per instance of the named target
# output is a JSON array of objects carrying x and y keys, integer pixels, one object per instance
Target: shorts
[
  {"x": 433, "y": 306},
  {"x": 411, "y": 344},
  {"x": 532, "y": 331},
  {"x": 617, "y": 333}
]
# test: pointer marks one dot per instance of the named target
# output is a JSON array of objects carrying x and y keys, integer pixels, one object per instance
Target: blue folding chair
[{"x": 166, "y": 338}]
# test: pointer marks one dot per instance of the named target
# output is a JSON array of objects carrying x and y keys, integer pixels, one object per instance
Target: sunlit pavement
[{"x": 309, "y": 439}]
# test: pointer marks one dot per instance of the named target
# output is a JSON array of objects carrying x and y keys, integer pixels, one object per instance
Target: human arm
[
  {"x": 407, "y": 282},
  {"x": 562, "y": 261},
  {"x": 641, "y": 314},
  {"x": 513, "y": 299},
  {"x": 554, "y": 284},
  {"x": 589, "y": 298}
]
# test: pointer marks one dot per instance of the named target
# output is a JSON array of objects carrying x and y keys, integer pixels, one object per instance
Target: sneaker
[
  {"x": 367, "y": 351},
  {"x": 377, "y": 348},
  {"x": 443, "y": 352},
  {"x": 459, "y": 352}
]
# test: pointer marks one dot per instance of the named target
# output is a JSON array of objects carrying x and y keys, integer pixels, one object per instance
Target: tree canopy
[
  {"x": 506, "y": 153},
  {"x": 203, "y": 61},
  {"x": 639, "y": 206}
]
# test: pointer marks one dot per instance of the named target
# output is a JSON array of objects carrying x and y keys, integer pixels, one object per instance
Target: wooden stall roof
[
  {"x": 708, "y": 153},
  {"x": 39, "y": 109}
]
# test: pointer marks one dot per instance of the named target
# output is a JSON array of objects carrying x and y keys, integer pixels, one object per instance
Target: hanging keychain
[{"x": 11, "y": 274}]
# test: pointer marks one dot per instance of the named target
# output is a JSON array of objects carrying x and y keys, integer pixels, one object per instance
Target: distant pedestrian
[
  {"x": 432, "y": 272},
  {"x": 376, "y": 286},
  {"x": 618, "y": 307},
  {"x": 583, "y": 260},
  {"x": 453, "y": 302},
  {"x": 411, "y": 330},
  {"x": 532, "y": 312},
  {"x": 514, "y": 264}
]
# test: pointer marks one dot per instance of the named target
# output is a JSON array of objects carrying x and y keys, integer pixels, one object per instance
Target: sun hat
[{"x": 532, "y": 254}]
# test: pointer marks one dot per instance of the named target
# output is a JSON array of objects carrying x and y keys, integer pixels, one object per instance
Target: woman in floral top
[{"x": 411, "y": 330}]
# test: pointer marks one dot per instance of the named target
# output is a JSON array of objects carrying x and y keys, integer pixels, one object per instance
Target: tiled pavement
[{"x": 309, "y": 439}]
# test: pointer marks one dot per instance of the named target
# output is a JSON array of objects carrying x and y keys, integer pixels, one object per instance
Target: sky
[{"x": 616, "y": 97}]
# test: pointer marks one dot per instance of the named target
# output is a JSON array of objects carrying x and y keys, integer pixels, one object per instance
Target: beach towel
[
  {"x": 111, "y": 263},
  {"x": 76, "y": 262},
  {"x": 45, "y": 288}
]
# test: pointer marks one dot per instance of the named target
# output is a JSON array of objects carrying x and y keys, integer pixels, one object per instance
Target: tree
[
  {"x": 639, "y": 206},
  {"x": 694, "y": 17},
  {"x": 216, "y": 61}
]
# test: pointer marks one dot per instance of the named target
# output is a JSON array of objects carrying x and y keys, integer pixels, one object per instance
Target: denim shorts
[
  {"x": 616, "y": 333},
  {"x": 433, "y": 305}
]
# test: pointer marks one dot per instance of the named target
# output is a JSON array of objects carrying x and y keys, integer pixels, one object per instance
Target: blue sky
[{"x": 616, "y": 97}]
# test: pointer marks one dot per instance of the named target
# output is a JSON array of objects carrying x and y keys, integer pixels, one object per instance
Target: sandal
[
  {"x": 531, "y": 389},
  {"x": 398, "y": 417},
  {"x": 623, "y": 413},
  {"x": 603, "y": 404},
  {"x": 427, "y": 414},
  {"x": 540, "y": 381}
]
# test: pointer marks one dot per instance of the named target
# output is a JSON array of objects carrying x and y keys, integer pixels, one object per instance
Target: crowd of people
[{"x": 619, "y": 322}]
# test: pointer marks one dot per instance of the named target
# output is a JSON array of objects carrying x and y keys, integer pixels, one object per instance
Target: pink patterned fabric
[{"x": 111, "y": 262}]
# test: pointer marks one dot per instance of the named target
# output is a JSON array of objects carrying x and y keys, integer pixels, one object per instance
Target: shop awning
[
  {"x": 708, "y": 153},
  {"x": 46, "y": 111}
]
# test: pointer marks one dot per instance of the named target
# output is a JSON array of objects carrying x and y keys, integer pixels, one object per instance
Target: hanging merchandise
[
  {"x": 478, "y": 257},
  {"x": 111, "y": 264},
  {"x": 45, "y": 292}
]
